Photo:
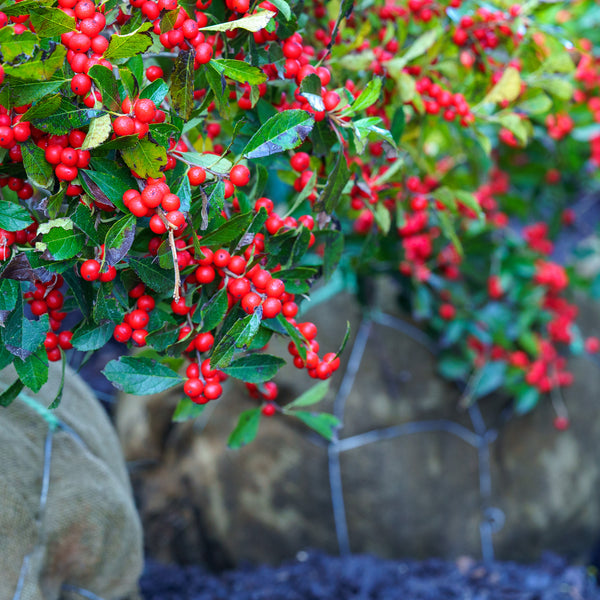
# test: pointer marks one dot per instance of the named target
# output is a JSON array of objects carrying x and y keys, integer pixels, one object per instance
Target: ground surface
[{"x": 315, "y": 576}]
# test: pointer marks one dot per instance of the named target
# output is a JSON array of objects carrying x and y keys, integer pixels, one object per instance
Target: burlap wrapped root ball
[{"x": 87, "y": 533}]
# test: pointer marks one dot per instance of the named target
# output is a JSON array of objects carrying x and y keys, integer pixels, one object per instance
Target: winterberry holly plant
[{"x": 177, "y": 173}]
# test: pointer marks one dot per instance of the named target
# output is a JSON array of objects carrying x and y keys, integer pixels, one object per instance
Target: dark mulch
[{"x": 316, "y": 576}]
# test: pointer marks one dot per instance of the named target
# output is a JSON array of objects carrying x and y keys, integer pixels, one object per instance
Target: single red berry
[
  {"x": 269, "y": 409},
  {"x": 561, "y": 423},
  {"x": 90, "y": 270},
  {"x": 250, "y": 302},
  {"x": 212, "y": 391},
  {"x": 193, "y": 387},
  {"x": 124, "y": 126},
  {"x": 197, "y": 175},
  {"x": 271, "y": 308},
  {"x": 145, "y": 110},
  {"x": 64, "y": 340},
  {"x": 81, "y": 84},
  {"x": 239, "y": 175}
]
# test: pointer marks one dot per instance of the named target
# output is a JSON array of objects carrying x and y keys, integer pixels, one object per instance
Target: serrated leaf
[
  {"x": 311, "y": 396},
  {"x": 281, "y": 132},
  {"x": 40, "y": 68},
  {"x": 298, "y": 340},
  {"x": 323, "y": 423},
  {"x": 83, "y": 220},
  {"x": 33, "y": 371},
  {"x": 126, "y": 46},
  {"x": 64, "y": 243},
  {"x": 106, "y": 82},
  {"x": 238, "y": 70},
  {"x": 208, "y": 161},
  {"x": 145, "y": 158},
  {"x": 237, "y": 338},
  {"x": 107, "y": 188},
  {"x": 21, "y": 336},
  {"x": 164, "y": 337},
  {"x": 12, "y": 8},
  {"x": 246, "y": 429},
  {"x": 182, "y": 84},
  {"x": 24, "y": 91},
  {"x": 99, "y": 131},
  {"x": 186, "y": 410},
  {"x": 91, "y": 336},
  {"x": 67, "y": 117},
  {"x": 140, "y": 376},
  {"x": 38, "y": 170},
  {"x": 254, "y": 368},
  {"x": 119, "y": 239},
  {"x": 51, "y": 22},
  {"x": 212, "y": 312},
  {"x": 13, "y": 217},
  {"x": 255, "y": 22},
  {"x": 229, "y": 231},
  {"x": 13, "y": 44},
  {"x": 159, "y": 279}
]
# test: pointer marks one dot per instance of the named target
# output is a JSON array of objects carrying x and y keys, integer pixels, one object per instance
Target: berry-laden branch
[{"x": 117, "y": 162}]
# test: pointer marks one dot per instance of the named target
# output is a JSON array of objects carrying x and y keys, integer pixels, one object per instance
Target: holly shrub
[{"x": 176, "y": 174}]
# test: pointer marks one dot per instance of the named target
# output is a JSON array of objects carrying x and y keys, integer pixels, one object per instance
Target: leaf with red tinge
[
  {"x": 119, "y": 239},
  {"x": 182, "y": 84}
]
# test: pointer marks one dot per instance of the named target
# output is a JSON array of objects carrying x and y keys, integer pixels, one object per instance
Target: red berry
[
  {"x": 145, "y": 110},
  {"x": 124, "y": 126},
  {"x": 90, "y": 270},
  {"x": 269, "y": 409},
  {"x": 193, "y": 387},
  {"x": 239, "y": 175},
  {"x": 64, "y": 340},
  {"x": 271, "y": 308},
  {"x": 81, "y": 84},
  {"x": 250, "y": 302}
]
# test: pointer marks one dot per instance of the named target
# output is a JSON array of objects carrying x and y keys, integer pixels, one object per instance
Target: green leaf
[
  {"x": 237, "y": 338},
  {"x": 488, "y": 379},
  {"x": 526, "y": 399},
  {"x": 186, "y": 410},
  {"x": 367, "y": 97},
  {"x": 332, "y": 192},
  {"x": 229, "y": 231},
  {"x": 255, "y": 368},
  {"x": 145, "y": 158},
  {"x": 13, "y": 44},
  {"x": 418, "y": 47},
  {"x": 106, "y": 305},
  {"x": 47, "y": 106},
  {"x": 107, "y": 188},
  {"x": 507, "y": 89},
  {"x": 7, "y": 396},
  {"x": 33, "y": 371},
  {"x": 38, "y": 170},
  {"x": 126, "y": 46},
  {"x": 106, "y": 82},
  {"x": 281, "y": 132},
  {"x": 83, "y": 220},
  {"x": 246, "y": 429},
  {"x": 119, "y": 239},
  {"x": 323, "y": 423},
  {"x": 238, "y": 70},
  {"x": 454, "y": 368},
  {"x": 208, "y": 161},
  {"x": 67, "y": 117},
  {"x": 162, "y": 338},
  {"x": 24, "y": 91},
  {"x": 212, "y": 312},
  {"x": 310, "y": 89},
  {"x": 556, "y": 86},
  {"x": 90, "y": 336},
  {"x": 298, "y": 340},
  {"x": 21, "y": 336},
  {"x": 218, "y": 84},
  {"x": 64, "y": 243},
  {"x": 12, "y": 8},
  {"x": 182, "y": 84},
  {"x": 9, "y": 293},
  {"x": 99, "y": 131},
  {"x": 159, "y": 279},
  {"x": 14, "y": 217},
  {"x": 283, "y": 7},
  {"x": 311, "y": 396},
  {"x": 140, "y": 376},
  {"x": 157, "y": 91},
  {"x": 255, "y": 22},
  {"x": 51, "y": 22},
  {"x": 40, "y": 68}
]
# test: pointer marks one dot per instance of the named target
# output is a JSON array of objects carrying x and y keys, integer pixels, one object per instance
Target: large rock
[{"x": 416, "y": 495}]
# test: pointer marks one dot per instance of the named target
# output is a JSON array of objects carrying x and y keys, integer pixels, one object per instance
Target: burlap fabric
[{"x": 67, "y": 519}]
